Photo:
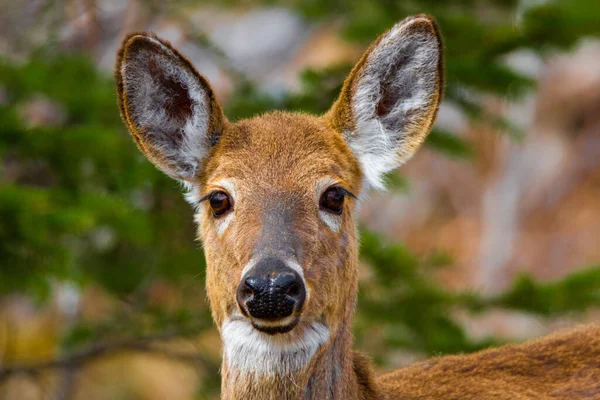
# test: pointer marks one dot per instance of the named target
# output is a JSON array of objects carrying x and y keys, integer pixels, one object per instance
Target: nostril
[
  {"x": 293, "y": 290},
  {"x": 247, "y": 292}
]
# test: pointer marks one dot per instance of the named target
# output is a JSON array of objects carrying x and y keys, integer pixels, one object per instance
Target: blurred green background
[{"x": 490, "y": 235}]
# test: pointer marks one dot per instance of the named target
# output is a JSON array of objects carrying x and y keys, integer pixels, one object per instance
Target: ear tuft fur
[
  {"x": 390, "y": 99},
  {"x": 168, "y": 107}
]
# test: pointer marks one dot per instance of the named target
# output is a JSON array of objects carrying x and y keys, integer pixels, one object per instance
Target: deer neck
[{"x": 333, "y": 372}]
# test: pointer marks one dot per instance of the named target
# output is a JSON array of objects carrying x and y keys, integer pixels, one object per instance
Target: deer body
[{"x": 275, "y": 198}]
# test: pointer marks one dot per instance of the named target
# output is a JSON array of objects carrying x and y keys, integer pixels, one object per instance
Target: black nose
[{"x": 271, "y": 291}]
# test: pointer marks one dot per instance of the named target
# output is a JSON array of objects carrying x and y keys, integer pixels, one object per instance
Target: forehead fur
[{"x": 282, "y": 149}]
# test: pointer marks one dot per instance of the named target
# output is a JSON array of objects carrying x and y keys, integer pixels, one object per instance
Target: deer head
[{"x": 276, "y": 195}]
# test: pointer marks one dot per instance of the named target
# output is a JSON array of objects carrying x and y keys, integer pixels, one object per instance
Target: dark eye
[
  {"x": 333, "y": 200},
  {"x": 220, "y": 203}
]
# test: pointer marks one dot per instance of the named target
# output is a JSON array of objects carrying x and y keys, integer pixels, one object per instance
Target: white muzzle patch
[{"x": 247, "y": 350}]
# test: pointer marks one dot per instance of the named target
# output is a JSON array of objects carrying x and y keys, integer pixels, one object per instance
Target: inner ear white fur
[
  {"x": 404, "y": 68},
  {"x": 155, "y": 83}
]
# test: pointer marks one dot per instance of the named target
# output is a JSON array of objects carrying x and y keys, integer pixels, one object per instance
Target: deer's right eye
[{"x": 219, "y": 203}]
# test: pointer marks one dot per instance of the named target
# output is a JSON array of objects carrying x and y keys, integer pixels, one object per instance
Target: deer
[{"x": 275, "y": 199}]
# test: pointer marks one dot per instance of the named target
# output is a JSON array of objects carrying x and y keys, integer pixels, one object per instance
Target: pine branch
[{"x": 92, "y": 353}]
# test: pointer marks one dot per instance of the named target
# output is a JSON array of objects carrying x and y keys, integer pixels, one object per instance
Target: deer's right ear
[{"x": 169, "y": 108}]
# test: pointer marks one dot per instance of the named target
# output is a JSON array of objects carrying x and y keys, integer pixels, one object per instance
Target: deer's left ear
[{"x": 390, "y": 99}]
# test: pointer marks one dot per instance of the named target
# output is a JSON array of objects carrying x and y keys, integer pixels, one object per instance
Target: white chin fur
[{"x": 246, "y": 350}]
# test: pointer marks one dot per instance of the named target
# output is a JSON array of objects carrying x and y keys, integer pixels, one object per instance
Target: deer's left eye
[{"x": 332, "y": 200}]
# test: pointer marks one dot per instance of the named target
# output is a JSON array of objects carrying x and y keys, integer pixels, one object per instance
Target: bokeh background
[{"x": 491, "y": 233}]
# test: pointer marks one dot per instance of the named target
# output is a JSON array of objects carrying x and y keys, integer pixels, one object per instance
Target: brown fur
[
  {"x": 564, "y": 365},
  {"x": 276, "y": 160}
]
